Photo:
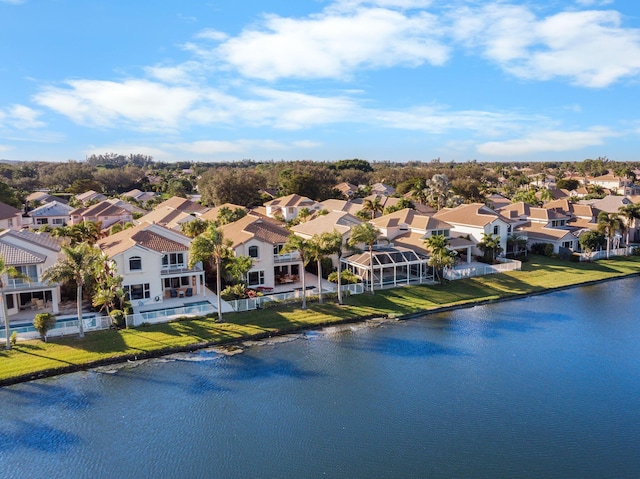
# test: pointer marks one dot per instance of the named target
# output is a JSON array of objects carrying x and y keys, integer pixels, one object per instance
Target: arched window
[
  {"x": 135, "y": 263},
  {"x": 253, "y": 251}
]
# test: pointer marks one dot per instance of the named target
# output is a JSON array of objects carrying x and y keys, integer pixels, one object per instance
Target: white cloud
[
  {"x": 13, "y": 2},
  {"x": 218, "y": 147},
  {"x": 212, "y": 34},
  {"x": 333, "y": 45},
  {"x": 144, "y": 104},
  {"x": 590, "y": 47},
  {"x": 592, "y": 3},
  {"x": 20, "y": 117},
  {"x": 5, "y": 148},
  {"x": 547, "y": 141}
]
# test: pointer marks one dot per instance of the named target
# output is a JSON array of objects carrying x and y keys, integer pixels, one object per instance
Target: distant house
[
  {"x": 90, "y": 197},
  {"x": 347, "y": 189},
  {"x": 53, "y": 214},
  {"x": 153, "y": 260},
  {"x": 262, "y": 239},
  {"x": 31, "y": 254},
  {"x": 616, "y": 184},
  {"x": 289, "y": 206},
  {"x": 173, "y": 213},
  {"x": 183, "y": 204},
  {"x": 141, "y": 196},
  {"x": 41, "y": 197},
  {"x": 212, "y": 213},
  {"x": 382, "y": 189},
  {"x": 106, "y": 213},
  {"x": 10, "y": 217}
]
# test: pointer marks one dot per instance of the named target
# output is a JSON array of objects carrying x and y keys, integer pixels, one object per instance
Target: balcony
[
  {"x": 14, "y": 285},
  {"x": 178, "y": 269},
  {"x": 286, "y": 257}
]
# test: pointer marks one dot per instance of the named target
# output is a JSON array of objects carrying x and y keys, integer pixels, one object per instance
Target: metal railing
[
  {"x": 482, "y": 270},
  {"x": 249, "y": 304}
]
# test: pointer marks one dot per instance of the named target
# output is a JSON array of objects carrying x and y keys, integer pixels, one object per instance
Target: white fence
[
  {"x": 258, "y": 302},
  {"x": 63, "y": 327},
  {"x": 482, "y": 270},
  {"x": 168, "y": 314},
  {"x": 602, "y": 254}
]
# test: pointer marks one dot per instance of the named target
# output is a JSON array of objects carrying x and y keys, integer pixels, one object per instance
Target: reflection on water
[{"x": 542, "y": 387}]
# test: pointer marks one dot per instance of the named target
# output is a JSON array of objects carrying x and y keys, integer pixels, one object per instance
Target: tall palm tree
[
  {"x": 317, "y": 253},
  {"x": 440, "y": 256},
  {"x": 10, "y": 272},
  {"x": 77, "y": 264},
  {"x": 490, "y": 244},
  {"x": 366, "y": 233},
  {"x": 334, "y": 244},
  {"x": 211, "y": 247},
  {"x": 372, "y": 206},
  {"x": 304, "y": 249},
  {"x": 631, "y": 213},
  {"x": 609, "y": 223}
]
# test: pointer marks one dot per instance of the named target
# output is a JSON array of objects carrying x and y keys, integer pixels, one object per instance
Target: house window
[
  {"x": 42, "y": 221},
  {"x": 30, "y": 270},
  {"x": 277, "y": 248},
  {"x": 292, "y": 210},
  {"x": 253, "y": 251},
  {"x": 175, "y": 283},
  {"x": 58, "y": 221},
  {"x": 444, "y": 233},
  {"x": 173, "y": 260},
  {"x": 567, "y": 244},
  {"x": 10, "y": 222},
  {"x": 135, "y": 263},
  {"x": 138, "y": 291},
  {"x": 10, "y": 303},
  {"x": 256, "y": 278},
  {"x": 496, "y": 230}
]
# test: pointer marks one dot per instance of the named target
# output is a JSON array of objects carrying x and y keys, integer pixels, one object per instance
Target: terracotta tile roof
[
  {"x": 183, "y": 204},
  {"x": 8, "y": 211},
  {"x": 474, "y": 214},
  {"x": 537, "y": 231},
  {"x": 15, "y": 256},
  {"x": 250, "y": 227},
  {"x": 166, "y": 216},
  {"x": 212, "y": 214},
  {"x": 141, "y": 235},
  {"x": 339, "y": 220},
  {"x": 522, "y": 209},
  {"x": 290, "y": 200},
  {"x": 412, "y": 219}
]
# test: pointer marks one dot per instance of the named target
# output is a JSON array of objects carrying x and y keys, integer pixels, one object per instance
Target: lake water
[{"x": 547, "y": 386}]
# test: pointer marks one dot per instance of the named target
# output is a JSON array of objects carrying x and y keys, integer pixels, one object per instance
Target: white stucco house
[{"x": 153, "y": 261}]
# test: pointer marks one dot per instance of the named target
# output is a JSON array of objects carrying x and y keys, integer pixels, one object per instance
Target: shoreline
[{"x": 192, "y": 347}]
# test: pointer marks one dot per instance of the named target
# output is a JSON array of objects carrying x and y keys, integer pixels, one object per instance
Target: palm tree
[
  {"x": 441, "y": 257},
  {"x": 109, "y": 288},
  {"x": 490, "y": 245},
  {"x": 609, "y": 223},
  {"x": 194, "y": 227},
  {"x": 77, "y": 264},
  {"x": 211, "y": 247},
  {"x": 630, "y": 213},
  {"x": 369, "y": 235},
  {"x": 317, "y": 253},
  {"x": 304, "y": 249},
  {"x": 333, "y": 244},
  {"x": 11, "y": 272},
  {"x": 372, "y": 206}
]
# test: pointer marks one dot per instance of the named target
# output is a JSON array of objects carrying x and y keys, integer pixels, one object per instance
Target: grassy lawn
[{"x": 537, "y": 275}]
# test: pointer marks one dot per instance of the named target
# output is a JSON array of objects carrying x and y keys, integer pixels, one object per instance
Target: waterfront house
[
  {"x": 31, "y": 254},
  {"x": 475, "y": 220},
  {"x": 262, "y": 239},
  {"x": 153, "y": 261}
]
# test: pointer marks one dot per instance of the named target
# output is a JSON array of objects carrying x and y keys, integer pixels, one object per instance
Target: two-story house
[
  {"x": 105, "y": 213},
  {"x": 262, "y": 239},
  {"x": 476, "y": 220},
  {"x": 31, "y": 254},
  {"x": 542, "y": 225},
  {"x": 288, "y": 207},
  {"x": 154, "y": 263}
]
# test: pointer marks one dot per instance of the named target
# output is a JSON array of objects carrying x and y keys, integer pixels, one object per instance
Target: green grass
[{"x": 59, "y": 355}]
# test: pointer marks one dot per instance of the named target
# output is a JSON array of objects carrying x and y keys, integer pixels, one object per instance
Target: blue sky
[{"x": 395, "y": 80}]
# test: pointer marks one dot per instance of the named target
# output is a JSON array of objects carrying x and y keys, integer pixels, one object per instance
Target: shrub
[
  {"x": 346, "y": 277},
  {"x": 14, "y": 338},
  {"x": 119, "y": 318},
  {"x": 548, "y": 250},
  {"x": 43, "y": 322}
]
